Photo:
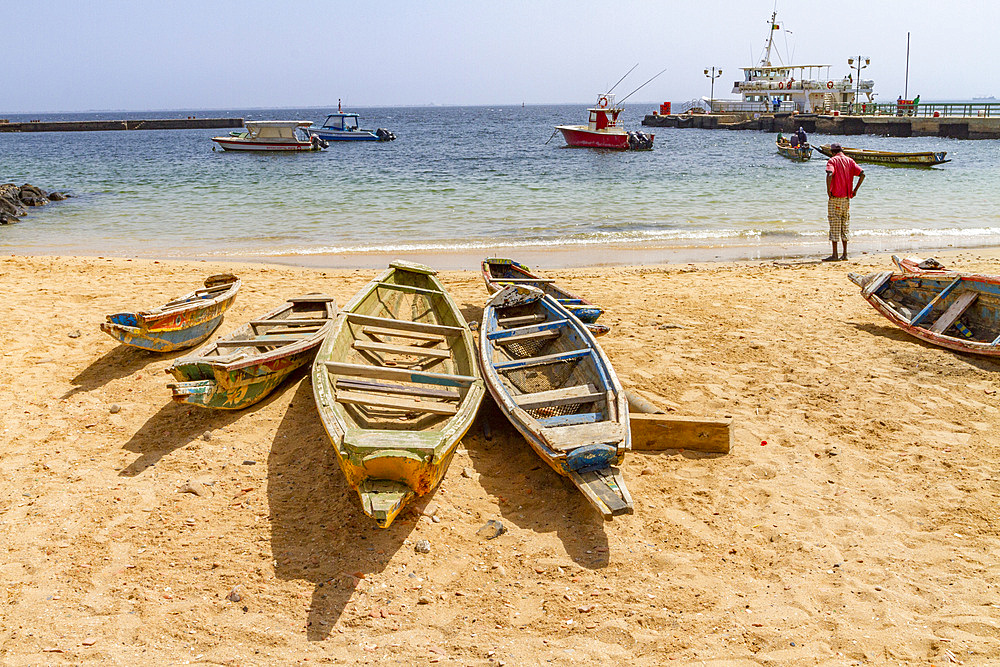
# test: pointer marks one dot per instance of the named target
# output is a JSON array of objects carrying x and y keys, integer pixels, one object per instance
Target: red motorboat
[{"x": 605, "y": 130}]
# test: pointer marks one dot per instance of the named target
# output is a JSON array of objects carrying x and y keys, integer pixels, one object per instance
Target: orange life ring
[
  {"x": 781, "y": 85},
  {"x": 603, "y": 102},
  {"x": 829, "y": 84}
]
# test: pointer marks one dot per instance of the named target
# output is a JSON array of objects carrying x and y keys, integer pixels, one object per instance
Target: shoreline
[{"x": 567, "y": 257}]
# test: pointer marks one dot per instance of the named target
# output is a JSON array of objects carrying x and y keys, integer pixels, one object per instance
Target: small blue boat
[{"x": 343, "y": 126}]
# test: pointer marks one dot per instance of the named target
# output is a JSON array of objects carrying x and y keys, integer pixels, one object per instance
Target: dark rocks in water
[{"x": 14, "y": 200}]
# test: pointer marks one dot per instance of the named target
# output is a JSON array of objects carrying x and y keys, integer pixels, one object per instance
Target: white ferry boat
[{"x": 803, "y": 88}]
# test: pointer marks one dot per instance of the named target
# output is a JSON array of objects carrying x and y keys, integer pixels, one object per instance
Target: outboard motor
[
  {"x": 384, "y": 134},
  {"x": 640, "y": 141},
  {"x": 318, "y": 143}
]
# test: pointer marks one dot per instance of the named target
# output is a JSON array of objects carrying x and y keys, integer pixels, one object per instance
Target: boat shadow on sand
[
  {"x": 531, "y": 495},
  {"x": 897, "y": 334},
  {"x": 319, "y": 533},
  {"x": 176, "y": 425},
  {"x": 120, "y": 362}
]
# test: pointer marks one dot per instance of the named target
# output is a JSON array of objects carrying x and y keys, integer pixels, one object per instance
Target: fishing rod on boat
[
  {"x": 640, "y": 87},
  {"x": 623, "y": 78}
]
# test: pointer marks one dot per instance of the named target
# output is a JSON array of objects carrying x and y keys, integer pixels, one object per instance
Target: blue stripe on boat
[{"x": 572, "y": 420}]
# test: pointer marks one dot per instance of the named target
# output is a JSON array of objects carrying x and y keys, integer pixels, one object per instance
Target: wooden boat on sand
[
  {"x": 555, "y": 384},
  {"x": 498, "y": 273},
  {"x": 397, "y": 385},
  {"x": 241, "y": 369},
  {"x": 953, "y": 310},
  {"x": 798, "y": 153},
  {"x": 892, "y": 158},
  {"x": 178, "y": 324}
]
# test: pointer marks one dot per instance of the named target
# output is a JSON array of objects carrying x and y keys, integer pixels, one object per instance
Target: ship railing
[
  {"x": 732, "y": 106},
  {"x": 923, "y": 109}
]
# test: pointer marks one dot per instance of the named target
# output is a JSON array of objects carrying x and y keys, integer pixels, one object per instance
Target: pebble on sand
[
  {"x": 492, "y": 529},
  {"x": 422, "y": 547}
]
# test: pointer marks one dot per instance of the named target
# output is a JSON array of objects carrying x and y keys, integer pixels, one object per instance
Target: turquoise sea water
[{"x": 475, "y": 179}]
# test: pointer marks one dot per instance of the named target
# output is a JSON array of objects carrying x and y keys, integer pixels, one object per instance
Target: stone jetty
[{"x": 191, "y": 123}]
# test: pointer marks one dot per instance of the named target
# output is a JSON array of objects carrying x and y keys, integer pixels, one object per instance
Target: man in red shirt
[{"x": 840, "y": 188}]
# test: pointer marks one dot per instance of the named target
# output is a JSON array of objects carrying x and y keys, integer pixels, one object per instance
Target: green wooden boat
[
  {"x": 237, "y": 371},
  {"x": 397, "y": 385}
]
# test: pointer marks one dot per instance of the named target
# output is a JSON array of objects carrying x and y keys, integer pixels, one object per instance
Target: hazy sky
[{"x": 66, "y": 55}]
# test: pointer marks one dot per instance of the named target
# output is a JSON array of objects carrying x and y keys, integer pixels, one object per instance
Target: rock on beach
[{"x": 14, "y": 200}]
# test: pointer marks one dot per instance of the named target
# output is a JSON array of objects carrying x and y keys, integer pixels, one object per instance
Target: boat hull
[
  {"x": 579, "y": 136},
  {"x": 334, "y": 135},
  {"x": 798, "y": 153},
  {"x": 960, "y": 312},
  {"x": 897, "y": 159},
  {"x": 239, "y": 145},
  {"x": 397, "y": 386},
  {"x": 180, "y": 325},
  {"x": 556, "y": 386}
]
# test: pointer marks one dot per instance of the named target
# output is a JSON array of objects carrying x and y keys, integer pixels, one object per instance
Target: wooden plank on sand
[{"x": 651, "y": 433}]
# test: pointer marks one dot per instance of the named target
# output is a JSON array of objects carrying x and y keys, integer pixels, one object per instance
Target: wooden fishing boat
[
  {"x": 242, "y": 368},
  {"x": 918, "y": 265},
  {"x": 498, "y": 273},
  {"x": 914, "y": 159},
  {"x": 957, "y": 311},
  {"x": 798, "y": 153},
  {"x": 178, "y": 324},
  {"x": 555, "y": 384},
  {"x": 397, "y": 386}
]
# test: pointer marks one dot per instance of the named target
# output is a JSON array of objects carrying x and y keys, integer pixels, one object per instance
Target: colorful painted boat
[
  {"x": 280, "y": 136},
  {"x": 958, "y": 311},
  {"x": 237, "y": 371},
  {"x": 605, "y": 130},
  {"x": 798, "y": 153},
  {"x": 913, "y": 159},
  {"x": 397, "y": 385},
  {"x": 919, "y": 265},
  {"x": 178, "y": 324},
  {"x": 498, "y": 273},
  {"x": 555, "y": 384}
]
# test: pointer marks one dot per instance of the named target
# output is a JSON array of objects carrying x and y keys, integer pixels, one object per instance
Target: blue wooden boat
[
  {"x": 178, "y": 324},
  {"x": 499, "y": 273},
  {"x": 550, "y": 377},
  {"x": 342, "y": 126},
  {"x": 958, "y": 311}
]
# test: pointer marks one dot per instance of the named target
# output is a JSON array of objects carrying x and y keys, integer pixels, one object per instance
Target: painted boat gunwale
[{"x": 588, "y": 311}]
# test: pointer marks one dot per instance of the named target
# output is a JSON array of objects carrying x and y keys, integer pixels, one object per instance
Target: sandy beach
[{"x": 853, "y": 521}]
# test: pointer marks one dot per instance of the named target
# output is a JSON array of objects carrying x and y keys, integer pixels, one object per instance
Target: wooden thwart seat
[
  {"x": 564, "y": 438},
  {"x": 393, "y": 403},
  {"x": 405, "y": 325},
  {"x": 533, "y": 336},
  {"x": 521, "y": 319},
  {"x": 584, "y": 393},
  {"x": 261, "y": 341},
  {"x": 954, "y": 311},
  {"x": 400, "y": 333},
  {"x": 410, "y": 288},
  {"x": 407, "y": 390},
  {"x": 543, "y": 360},
  {"x": 412, "y": 350},
  {"x": 290, "y": 322},
  {"x": 933, "y": 302},
  {"x": 404, "y": 374},
  {"x": 312, "y": 298}
]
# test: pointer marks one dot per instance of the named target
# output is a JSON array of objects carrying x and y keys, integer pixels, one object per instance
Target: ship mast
[{"x": 766, "y": 60}]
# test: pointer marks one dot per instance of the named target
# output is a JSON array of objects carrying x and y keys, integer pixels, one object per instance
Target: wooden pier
[
  {"x": 955, "y": 127},
  {"x": 132, "y": 124}
]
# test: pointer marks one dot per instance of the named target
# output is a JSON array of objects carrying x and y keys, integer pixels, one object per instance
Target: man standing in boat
[{"x": 840, "y": 189}]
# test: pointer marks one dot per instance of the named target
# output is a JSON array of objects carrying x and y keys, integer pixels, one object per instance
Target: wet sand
[{"x": 853, "y": 522}]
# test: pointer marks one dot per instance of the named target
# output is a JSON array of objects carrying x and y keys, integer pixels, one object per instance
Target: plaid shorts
[{"x": 838, "y": 210}]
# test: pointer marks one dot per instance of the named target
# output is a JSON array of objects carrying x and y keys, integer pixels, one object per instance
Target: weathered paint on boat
[
  {"x": 236, "y": 377},
  {"x": 498, "y": 273},
  {"x": 797, "y": 153},
  {"x": 405, "y": 328},
  {"x": 892, "y": 158},
  {"x": 557, "y": 387},
  {"x": 956, "y": 311},
  {"x": 179, "y": 324}
]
